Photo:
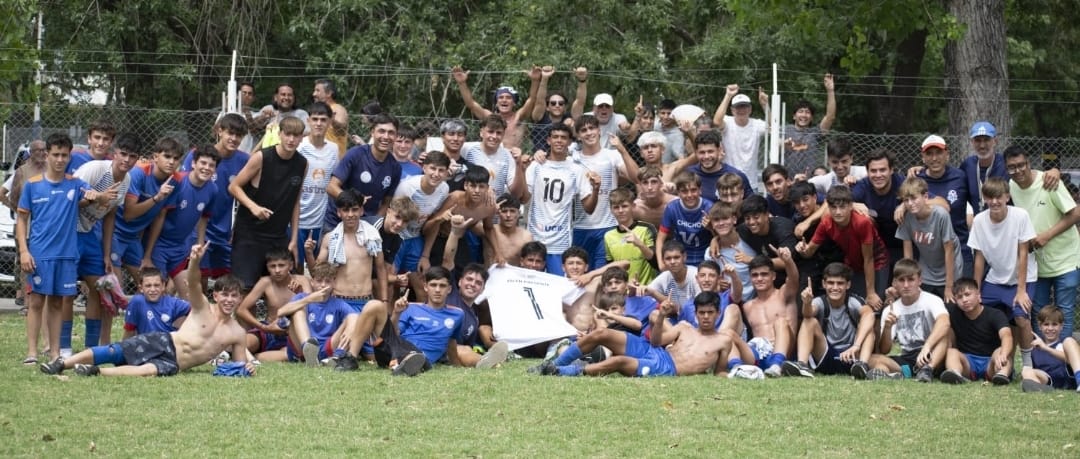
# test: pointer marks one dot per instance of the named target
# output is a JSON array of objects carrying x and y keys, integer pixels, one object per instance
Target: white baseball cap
[{"x": 603, "y": 99}]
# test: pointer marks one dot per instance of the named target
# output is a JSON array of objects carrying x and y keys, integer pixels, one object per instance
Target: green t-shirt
[
  {"x": 1047, "y": 208},
  {"x": 618, "y": 249}
]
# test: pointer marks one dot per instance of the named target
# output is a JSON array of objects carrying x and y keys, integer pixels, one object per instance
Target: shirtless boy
[
  {"x": 652, "y": 200},
  {"x": 509, "y": 238},
  {"x": 276, "y": 289},
  {"x": 772, "y": 314},
  {"x": 351, "y": 246}
]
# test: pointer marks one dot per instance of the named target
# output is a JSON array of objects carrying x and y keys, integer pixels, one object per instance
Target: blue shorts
[
  {"x": 126, "y": 252},
  {"x": 592, "y": 240},
  {"x": 269, "y": 341},
  {"x": 656, "y": 362},
  {"x": 53, "y": 277},
  {"x": 91, "y": 255},
  {"x": 170, "y": 259},
  {"x": 1001, "y": 297},
  {"x": 408, "y": 256},
  {"x": 554, "y": 265},
  {"x": 357, "y": 305},
  {"x": 830, "y": 363},
  {"x": 292, "y": 351},
  {"x": 217, "y": 261},
  {"x": 636, "y": 346},
  {"x": 980, "y": 365}
]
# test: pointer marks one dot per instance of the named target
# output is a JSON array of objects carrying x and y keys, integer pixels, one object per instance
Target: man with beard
[
  {"x": 554, "y": 110},
  {"x": 710, "y": 165},
  {"x": 99, "y": 139},
  {"x": 370, "y": 170},
  {"x": 505, "y": 99},
  {"x": 283, "y": 106}
]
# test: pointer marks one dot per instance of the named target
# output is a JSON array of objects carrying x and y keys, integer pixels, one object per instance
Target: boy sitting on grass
[
  {"x": 982, "y": 348},
  {"x": 320, "y": 322},
  {"x": 1056, "y": 360},
  {"x": 208, "y": 330},
  {"x": 276, "y": 289},
  {"x": 837, "y": 331},
  {"x": 611, "y": 314},
  {"x": 153, "y": 310},
  {"x": 917, "y": 321}
]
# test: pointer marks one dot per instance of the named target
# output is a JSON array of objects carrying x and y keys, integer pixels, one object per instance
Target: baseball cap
[
  {"x": 934, "y": 140},
  {"x": 603, "y": 99},
  {"x": 740, "y": 99},
  {"x": 982, "y": 128}
]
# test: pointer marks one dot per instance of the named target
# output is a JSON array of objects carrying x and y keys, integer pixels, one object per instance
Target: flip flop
[{"x": 30, "y": 360}]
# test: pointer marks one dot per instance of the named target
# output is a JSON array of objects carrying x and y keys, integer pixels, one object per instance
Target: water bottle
[{"x": 283, "y": 323}]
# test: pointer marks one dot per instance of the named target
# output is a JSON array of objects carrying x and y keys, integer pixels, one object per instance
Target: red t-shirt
[{"x": 860, "y": 230}]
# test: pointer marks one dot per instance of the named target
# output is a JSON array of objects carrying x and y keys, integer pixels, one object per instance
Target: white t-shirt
[
  {"x": 527, "y": 306},
  {"x": 665, "y": 284},
  {"x": 98, "y": 174},
  {"x": 824, "y": 182},
  {"x": 607, "y": 164},
  {"x": 742, "y": 147},
  {"x": 428, "y": 203},
  {"x": 998, "y": 241},
  {"x": 555, "y": 186},
  {"x": 609, "y": 128},
  {"x": 914, "y": 322},
  {"x": 321, "y": 163},
  {"x": 500, "y": 165}
]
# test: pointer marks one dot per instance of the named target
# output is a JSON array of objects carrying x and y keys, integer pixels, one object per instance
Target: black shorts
[
  {"x": 156, "y": 348},
  {"x": 249, "y": 258},
  {"x": 908, "y": 359}
]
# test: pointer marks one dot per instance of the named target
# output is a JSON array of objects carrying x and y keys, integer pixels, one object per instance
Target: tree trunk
[
  {"x": 976, "y": 75},
  {"x": 894, "y": 111}
]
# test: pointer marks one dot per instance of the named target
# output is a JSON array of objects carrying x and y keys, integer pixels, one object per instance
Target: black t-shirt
[
  {"x": 781, "y": 234},
  {"x": 978, "y": 336}
]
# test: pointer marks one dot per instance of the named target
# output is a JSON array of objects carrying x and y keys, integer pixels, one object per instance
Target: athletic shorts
[
  {"x": 53, "y": 277},
  {"x": 91, "y": 255},
  {"x": 656, "y": 362},
  {"x": 980, "y": 365},
  {"x": 302, "y": 236},
  {"x": 217, "y": 260},
  {"x": 170, "y": 259},
  {"x": 636, "y": 346},
  {"x": 408, "y": 256},
  {"x": 907, "y": 361},
  {"x": 155, "y": 348},
  {"x": 830, "y": 363},
  {"x": 554, "y": 264},
  {"x": 126, "y": 252},
  {"x": 1001, "y": 297},
  {"x": 357, "y": 305},
  {"x": 269, "y": 341},
  {"x": 249, "y": 262},
  {"x": 592, "y": 240},
  {"x": 295, "y": 354}
]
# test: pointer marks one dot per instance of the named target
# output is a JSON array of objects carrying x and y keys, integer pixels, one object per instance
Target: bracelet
[{"x": 154, "y": 198}]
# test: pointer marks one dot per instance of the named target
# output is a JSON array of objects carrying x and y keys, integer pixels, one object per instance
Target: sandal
[{"x": 30, "y": 360}]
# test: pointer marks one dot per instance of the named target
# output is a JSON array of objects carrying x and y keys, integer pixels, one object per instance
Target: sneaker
[
  {"x": 494, "y": 356},
  {"x": 875, "y": 374},
  {"x": 950, "y": 377},
  {"x": 310, "y": 348},
  {"x": 53, "y": 368},
  {"x": 346, "y": 363},
  {"x": 83, "y": 369},
  {"x": 20, "y": 301},
  {"x": 859, "y": 369},
  {"x": 547, "y": 369},
  {"x": 411, "y": 365},
  {"x": 774, "y": 371},
  {"x": 1033, "y": 386},
  {"x": 597, "y": 355},
  {"x": 793, "y": 368},
  {"x": 924, "y": 374},
  {"x": 1000, "y": 379},
  {"x": 553, "y": 350}
]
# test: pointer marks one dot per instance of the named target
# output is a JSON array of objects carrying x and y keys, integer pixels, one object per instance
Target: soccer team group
[{"x": 661, "y": 256}]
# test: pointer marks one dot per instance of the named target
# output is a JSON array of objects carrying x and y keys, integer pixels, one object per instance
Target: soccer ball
[{"x": 746, "y": 372}]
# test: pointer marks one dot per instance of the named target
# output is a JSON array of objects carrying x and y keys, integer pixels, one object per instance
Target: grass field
[{"x": 295, "y": 411}]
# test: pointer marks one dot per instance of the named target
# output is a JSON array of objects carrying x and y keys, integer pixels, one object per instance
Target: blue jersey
[
  {"x": 953, "y": 187},
  {"x": 709, "y": 179},
  {"x": 688, "y": 309},
  {"x": 143, "y": 316},
  {"x": 976, "y": 176},
  {"x": 409, "y": 169},
  {"x": 143, "y": 186},
  {"x": 881, "y": 207},
  {"x": 54, "y": 216},
  {"x": 78, "y": 158},
  {"x": 685, "y": 226},
  {"x": 219, "y": 229},
  {"x": 324, "y": 319},
  {"x": 430, "y": 329},
  {"x": 186, "y": 205},
  {"x": 359, "y": 170}
]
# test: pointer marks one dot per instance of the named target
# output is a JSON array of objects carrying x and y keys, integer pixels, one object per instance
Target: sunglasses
[{"x": 556, "y": 103}]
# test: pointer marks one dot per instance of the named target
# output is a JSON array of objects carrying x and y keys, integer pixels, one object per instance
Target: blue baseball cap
[{"x": 983, "y": 128}]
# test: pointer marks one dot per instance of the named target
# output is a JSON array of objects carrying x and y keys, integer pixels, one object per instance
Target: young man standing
[
  {"x": 368, "y": 169},
  {"x": 151, "y": 185},
  {"x": 927, "y": 227},
  {"x": 554, "y": 109},
  {"x": 613, "y": 169},
  {"x": 505, "y": 99},
  {"x": 503, "y": 165},
  {"x": 801, "y": 154},
  {"x": 338, "y": 132},
  {"x": 322, "y": 157},
  {"x": 742, "y": 134}
]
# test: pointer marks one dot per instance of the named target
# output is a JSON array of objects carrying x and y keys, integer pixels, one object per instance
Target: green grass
[{"x": 294, "y": 411}]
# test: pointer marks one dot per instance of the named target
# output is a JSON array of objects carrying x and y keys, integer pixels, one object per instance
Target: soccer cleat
[
  {"x": 793, "y": 368},
  {"x": 53, "y": 368},
  {"x": 924, "y": 374},
  {"x": 547, "y": 369},
  {"x": 346, "y": 363},
  {"x": 553, "y": 350},
  {"x": 83, "y": 369},
  {"x": 774, "y": 371},
  {"x": 310, "y": 348},
  {"x": 1000, "y": 379},
  {"x": 494, "y": 356},
  {"x": 859, "y": 369},
  {"x": 1029, "y": 385},
  {"x": 952, "y": 377},
  {"x": 875, "y": 374},
  {"x": 411, "y": 365}
]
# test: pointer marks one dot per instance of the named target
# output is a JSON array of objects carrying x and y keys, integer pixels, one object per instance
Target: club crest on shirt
[
  {"x": 448, "y": 323},
  {"x": 365, "y": 177}
]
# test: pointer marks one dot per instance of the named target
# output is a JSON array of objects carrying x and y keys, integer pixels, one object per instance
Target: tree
[{"x": 977, "y": 79}]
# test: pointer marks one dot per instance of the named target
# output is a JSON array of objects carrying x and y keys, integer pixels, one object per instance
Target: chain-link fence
[{"x": 196, "y": 127}]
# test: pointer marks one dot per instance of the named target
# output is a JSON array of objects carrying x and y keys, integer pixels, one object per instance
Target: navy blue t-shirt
[
  {"x": 881, "y": 207},
  {"x": 977, "y": 175},
  {"x": 359, "y": 170},
  {"x": 952, "y": 186},
  {"x": 709, "y": 179}
]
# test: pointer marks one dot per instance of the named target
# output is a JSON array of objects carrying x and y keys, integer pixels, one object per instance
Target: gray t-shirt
[
  {"x": 929, "y": 236},
  {"x": 840, "y": 331},
  {"x": 675, "y": 142}
]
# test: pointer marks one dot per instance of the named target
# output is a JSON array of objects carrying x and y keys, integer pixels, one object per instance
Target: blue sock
[
  {"x": 732, "y": 363},
  {"x": 93, "y": 332},
  {"x": 569, "y": 370},
  {"x": 1077, "y": 376},
  {"x": 570, "y": 354},
  {"x": 775, "y": 359},
  {"x": 65, "y": 334},
  {"x": 111, "y": 353}
]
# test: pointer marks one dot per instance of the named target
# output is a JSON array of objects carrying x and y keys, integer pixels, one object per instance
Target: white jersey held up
[{"x": 527, "y": 306}]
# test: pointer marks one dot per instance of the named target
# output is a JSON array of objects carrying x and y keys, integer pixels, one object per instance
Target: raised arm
[
  {"x": 194, "y": 277},
  {"x": 538, "y": 110},
  {"x": 462, "y": 79},
  {"x": 530, "y": 101},
  {"x": 581, "y": 74},
  {"x": 830, "y": 105},
  {"x": 722, "y": 109}
]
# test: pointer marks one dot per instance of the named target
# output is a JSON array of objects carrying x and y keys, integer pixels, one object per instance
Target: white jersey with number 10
[{"x": 554, "y": 186}]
